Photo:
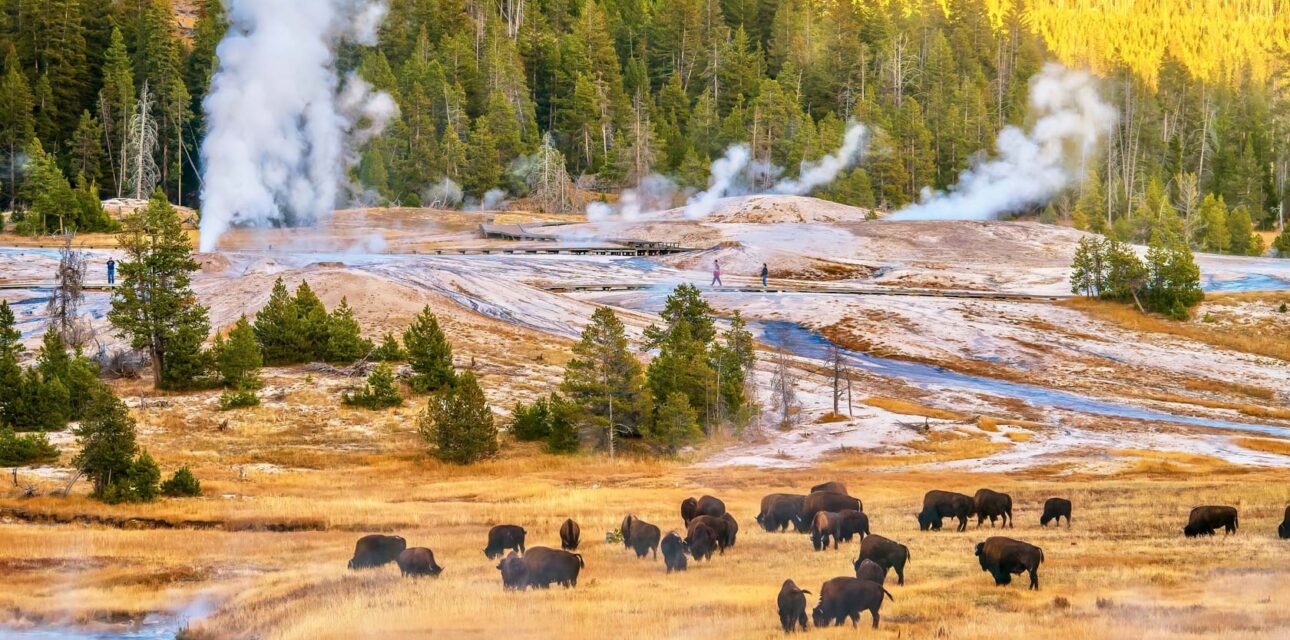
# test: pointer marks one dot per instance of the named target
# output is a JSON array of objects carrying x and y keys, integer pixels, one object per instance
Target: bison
[
  {"x": 792, "y": 606},
  {"x": 503, "y": 537},
  {"x": 824, "y": 526},
  {"x": 674, "y": 549},
  {"x": 1284, "y": 529},
  {"x": 827, "y": 501},
  {"x": 570, "y": 533},
  {"x": 1203, "y": 521},
  {"x": 886, "y": 553},
  {"x": 992, "y": 504},
  {"x": 851, "y": 523},
  {"x": 1054, "y": 510},
  {"x": 418, "y": 561},
  {"x": 871, "y": 571},
  {"x": 778, "y": 510},
  {"x": 1003, "y": 557},
  {"x": 833, "y": 486},
  {"x": 701, "y": 540},
  {"x": 719, "y": 526},
  {"x": 938, "y": 505},
  {"x": 732, "y": 528},
  {"x": 376, "y": 550},
  {"x": 640, "y": 536},
  {"x": 540, "y": 567},
  {"x": 845, "y": 597}
]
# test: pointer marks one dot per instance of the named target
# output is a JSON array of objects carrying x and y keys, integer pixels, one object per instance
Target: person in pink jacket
[{"x": 716, "y": 273}]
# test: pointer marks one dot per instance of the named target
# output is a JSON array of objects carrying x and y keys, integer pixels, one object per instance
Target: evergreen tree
[
  {"x": 1173, "y": 279},
  {"x": 1240, "y": 231},
  {"x": 154, "y": 305},
  {"x": 685, "y": 303},
  {"x": 48, "y": 191},
  {"x": 429, "y": 354},
  {"x": 238, "y": 358},
  {"x": 11, "y": 349},
  {"x": 675, "y": 423},
  {"x": 562, "y": 436},
  {"x": 87, "y": 149},
  {"x": 1215, "y": 234},
  {"x": 531, "y": 422},
  {"x": 313, "y": 325},
  {"x": 17, "y": 124},
  {"x": 379, "y": 392},
  {"x": 107, "y": 440},
  {"x": 682, "y": 365},
  {"x": 277, "y": 325},
  {"x": 143, "y": 479},
  {"x": 603, "y": 383},
  {"x": 182, "y": 485},
  {"x": 1088, "y": 270},
  {"x": 345, "y": 342},
  {"x": 389, "y": 350},
  {"x": 457, "y": 423},
  {"x": 116, "y": 107}
]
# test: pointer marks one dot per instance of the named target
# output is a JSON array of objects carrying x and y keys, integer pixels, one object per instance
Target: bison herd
[{"x": 828, "y": 513}]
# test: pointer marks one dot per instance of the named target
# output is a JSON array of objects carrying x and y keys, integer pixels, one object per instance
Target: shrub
[
  {"x": 380, "y": 391},
  {"x": 429, "y": 354},
  {"x": 239, "y": 358},
  {"x": 563, "y": 432},
  {"x": 457, "y": 423},
  {"x": 182, "y": 485},
  {"x": 389, "y": 350},
  {"x": 531, "y": 422},
  {"x": 238, "y": 399},
  {"x": 30, "y": 448}
]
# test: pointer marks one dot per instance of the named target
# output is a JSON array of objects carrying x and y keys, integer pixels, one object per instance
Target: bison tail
[
  {"x": 889, "y": 596},
  {"x": 581, "y": 564},
  {"x": 804, "y": 591}
]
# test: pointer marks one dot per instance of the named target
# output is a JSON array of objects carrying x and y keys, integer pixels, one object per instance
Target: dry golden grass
[
  {"x": 1253, "y": 410},
  {"x": 905, "y": 407},
  {"x": 1216, "y": 386},
  {"x": 1280, "y": 447},
  {"x": 1276, "y": 346}
]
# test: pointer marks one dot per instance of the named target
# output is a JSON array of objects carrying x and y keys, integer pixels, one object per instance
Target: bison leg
[
  {"x": 963, "y": 523},
  {"x": 900, "y": 574},
  {"x": 835, "y": 542},
  {"x": 1034, "y": 579},
  {"x": 855, "y": 619},
  {"x": 786, "y": 622},
  {"x": 801, "y": 619},
  {"x": 874, "y": 612}
]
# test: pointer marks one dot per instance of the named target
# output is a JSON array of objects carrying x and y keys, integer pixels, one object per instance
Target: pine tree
[
  {"x": 1240, "y": 231},
  {"x": 277, "y": 326},
  {"x": 457, "y": 423},
  {"x": 389, "y": 350},
  {"x": 675, "y": 423},
  {"x": 313, "y": 325},
  {"x": 11, "y": 350},
  {"x": 144, "y": 478},
  {"x": 1215, "y": 234},
  {"x": 562, "y": 436},
  {"x": 154, "y": 305},
  {"x": 429, "y": 354},
  {"x": 603, "y": 383},
  {"x": 116, "y": 107},
  {"x": 17, "y": 124},
  {"x": 48, "y": 191},
  {"x": 238, "y": 358},
  {"x": 1173, "y": 279},
  {"x": 182, "y": 485},
  {"x": 87, "y": 148},
  {"x": 107, "y": 440},
  {"x": 685, "y": 303},
  {"x": 379, "y": 392},
  {"x": 345, "y": 342},
  {"x": 1087, "y": 269}
]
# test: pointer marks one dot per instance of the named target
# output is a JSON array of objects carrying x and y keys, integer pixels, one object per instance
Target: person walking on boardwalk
[
  {"x": 111, "y": 266},
  {"x": 716, "y": 274},
  {"x": 765, "y": 273}
]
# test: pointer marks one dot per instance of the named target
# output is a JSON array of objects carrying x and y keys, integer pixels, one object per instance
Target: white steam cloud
[
  {"x": 1070, "y": 121},
  {"x": 722, "y": 178},
  {"x": 827, "y": 169},
  {"x": 282, "y": 126}
]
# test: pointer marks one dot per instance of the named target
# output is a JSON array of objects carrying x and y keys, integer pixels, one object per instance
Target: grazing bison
[
  {"x": 778, "y": 510},
  {"x": 1284, "y": 529},
  {"x": 1003, "y": 557},
  {"x": 834, "y": 486},
  {"x": 871, "y": 571},
  {"x": 852, "y": 522},
  {"x": 701, "y": 539},
  {"x": 992, "y": 504},
  {"x": 887, "y": 554},
  {"x": 719, "y": 526},
  {"x": 938, "y": 505},
  {"x": 418, "y": 561},
  {"x": 674, "y": 549},
  {"x": 570, "y": 533},
  {"x": 824, "y": 526},
  {"x": 846, "y": 597},
  {"x": 792, "y": 606},
  {"x": 704, "y": 506},
  {"x": 732, "y": 528},
  {"x": 1054, "y": 510},
  {"x": 827, "y": 501},
  {"x": 540, "y": 567},
  {"x": 503, "y": 537},
  {"x": 1203, "y": 521},
  {"x": 640, "y": 536},
  {"x": 376, "y": 550}
]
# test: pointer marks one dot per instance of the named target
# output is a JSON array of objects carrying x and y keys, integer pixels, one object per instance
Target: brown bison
[
  {"x": 720, "y": 526},
  {"x": 704, "y": 506},
  {"x": 376, "y": 550},
  {"x": 1003, "y": 557},
  {"x": 778, "y": 510},
  {"x": 887, "y": 554},
  {"x": 938, "y": 505},
  {"x": 846, "y": 597},
  {"x": 1054, "y": 510},
  {"x": 792, "y": 606},
  {"x": 992, "y": 504},
  {"x": 834, "y": 486},
  {"x": 827, "y": 501},
  {"x": 701, "y": 540},
  {"x": 852, "y": 522},
  {"x": 1204, "y": 521},
  {"x": 1284, "y": 529},
  {"x": 418, "y": 561},
  {"x": 674, "y": 549},
  {"x": 732, "y": 528},
  {"x": 503, "y": 537},
  {"x": 640, "y": 536},
  {"x": 540, "y": 567},
  {"x": 570, "y": 533},
  {"x": 871, "y": 571},
  {"x": 824, "y": 526}
]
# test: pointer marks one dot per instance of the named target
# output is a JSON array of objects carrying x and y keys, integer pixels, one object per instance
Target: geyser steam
[
  {"x": 827, "y": 169},
  {"x": 281, "y": 124},
  {"x": 1070, "y": 121}
]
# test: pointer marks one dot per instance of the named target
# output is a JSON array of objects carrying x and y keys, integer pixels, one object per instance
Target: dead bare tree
[
  {"x": 63, "y": 308},
  {"x": 142, "y": 143},
  {"x": 841, "y": 372},
  {"x": 783, "y": 387}
]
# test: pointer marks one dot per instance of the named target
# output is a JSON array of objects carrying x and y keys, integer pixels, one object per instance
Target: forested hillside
[{"x": 629, "y": 88}]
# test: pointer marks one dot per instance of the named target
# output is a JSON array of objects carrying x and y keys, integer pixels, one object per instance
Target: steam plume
[
  {"x": 1070, "y": 121},
  {"x": 281, "y": 124},
  {"x": 724, "y": 171},
  {"x": 823, "y": 172}
]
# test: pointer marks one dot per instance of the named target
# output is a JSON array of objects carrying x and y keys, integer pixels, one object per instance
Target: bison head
[
  {"x": 925, "y": 520},
  {"x": 1283, "y": 530},
  {"x": 514, "y": 571},
  {"x": 1191, "y": 531},
  {"x": 801, "y": 525},
  {"x": 818, "y": 616},
  {"x": 979, "y": 547}
]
